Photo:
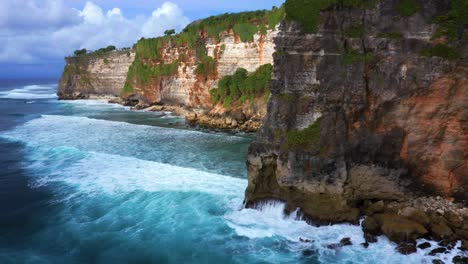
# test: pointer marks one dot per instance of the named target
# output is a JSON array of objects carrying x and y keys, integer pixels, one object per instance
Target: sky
[{"x": 36, "y": 35}]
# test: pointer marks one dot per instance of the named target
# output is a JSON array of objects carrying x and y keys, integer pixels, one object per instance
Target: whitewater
[{"x": 121, "y": 186}]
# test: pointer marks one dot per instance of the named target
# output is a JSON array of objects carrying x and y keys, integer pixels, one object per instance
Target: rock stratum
[
  {"x": 368, "y": 112},
  {"x": 95, "y": 76}
]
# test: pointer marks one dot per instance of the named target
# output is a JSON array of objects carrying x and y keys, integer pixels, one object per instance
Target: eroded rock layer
[{"x": 102, "y": 75}]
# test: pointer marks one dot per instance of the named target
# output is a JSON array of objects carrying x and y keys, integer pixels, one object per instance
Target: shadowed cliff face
[{"x": 362, "y": 116}]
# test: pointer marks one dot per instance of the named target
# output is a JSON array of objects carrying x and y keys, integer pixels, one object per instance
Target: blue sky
[{"x": 35, "y": 35}]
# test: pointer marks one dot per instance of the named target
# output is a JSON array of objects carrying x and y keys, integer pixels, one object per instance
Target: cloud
[{"x": 52, "y": 30}]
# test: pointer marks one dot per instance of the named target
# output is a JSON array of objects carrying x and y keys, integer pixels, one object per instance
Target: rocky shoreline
[
  {"x": 234, "y": 121},
  {"x": 433, "y": 218}
]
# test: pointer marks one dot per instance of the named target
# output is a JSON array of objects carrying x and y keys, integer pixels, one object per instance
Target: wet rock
[
  {"x": 416, "y": 215},
  {"x": 343, "y": 242},
  {"x": 365, "y": 244},
  {"x": 460, "y": 260},
  {"x": 424, "y": 245},
  {"x": 370, "y": 226},
  {"x": 399, "y": 229},
  {"x": 437, "y": 261},
  {"x": 437, "y": 251},
  {"x": 309, "y": 252},
  {"x": 370, "y": 238},
  {"x": 454, "y": 220},
  {"x": 346, "y": 241},
  {"x": 449, "y": 244},
  {"x": 377, "y": 207},
  {"x": 441, "y": 230},
  {"x": 464, "y": 245},
  {"x": 304, "y": 240},
  {"x": 407, "y": 248}
]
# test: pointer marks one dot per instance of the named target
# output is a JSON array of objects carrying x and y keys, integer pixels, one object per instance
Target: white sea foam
[
  {"x": 31, "y": 92},
  {"x": 103, "y": 173},
  {"x": 269, "y": 221}
]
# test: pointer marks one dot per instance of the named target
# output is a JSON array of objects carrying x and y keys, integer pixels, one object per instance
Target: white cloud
[
  {"x": 53, "y": 30},
  {"x": 168, "y": 16}
]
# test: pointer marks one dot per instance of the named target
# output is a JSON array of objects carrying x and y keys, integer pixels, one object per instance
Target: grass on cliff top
[
  {"x": 300, "y": 139},
  {"x": 242, "y": 86},
  {"x": 307, "y": 12},
  {"x": 244, "y": 24}
]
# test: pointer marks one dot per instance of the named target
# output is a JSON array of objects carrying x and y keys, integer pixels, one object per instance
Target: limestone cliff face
[
  {"x": 362, "y": 117},
  {"x": 186, "y": 87},
  {"x": 102, "y": 75}
]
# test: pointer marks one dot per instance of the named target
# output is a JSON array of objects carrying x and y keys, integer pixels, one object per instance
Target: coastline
[{"x": 197, "y": 118}]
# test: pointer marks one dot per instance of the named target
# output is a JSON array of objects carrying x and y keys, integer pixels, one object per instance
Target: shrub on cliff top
[{"x": 307, "y": 12}]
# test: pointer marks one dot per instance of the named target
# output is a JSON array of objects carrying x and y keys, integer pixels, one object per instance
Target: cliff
[
  {"x": 368, "y": 110},
  {"x": 95, "y": 75},
  {"x": 182, "y": 69}
]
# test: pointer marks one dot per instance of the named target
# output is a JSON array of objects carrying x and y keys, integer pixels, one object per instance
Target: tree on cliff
[
  {"x": 80, "y": 52},
  {"x": 169, "y": 32}
]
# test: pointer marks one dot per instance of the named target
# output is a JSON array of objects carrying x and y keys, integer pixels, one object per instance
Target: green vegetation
[
  {"x": 280, "y": 53},
  {"x": 206, "y": 67},
  {"x": 297, "y": 139},
  {"x": 80, "y": 52},
  {"x": 391, "y": 35},
  {"x": 354, "y": 32},
  {"x": 149, "y": 51},
  {"x": 442, "y": 51},
  {"x": 169, "y": 32},
  {"x": 246, "y": 31},
  {"x": 96, "y": 53},
  {"x": 286, "y": 97},
  {"x": 144, "y": 73},
  {"x": 242, "y": 86},
  {"x": 307, "y": 12},
  {"x": 352, "y": 56},
  {"x": 407, "y": 8},
  {"x": 454, "y": 23}
]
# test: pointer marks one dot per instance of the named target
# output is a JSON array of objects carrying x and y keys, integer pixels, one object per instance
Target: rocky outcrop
[
  {"x": 95, "y": 75},
  {"x": 361, "y": 112}
]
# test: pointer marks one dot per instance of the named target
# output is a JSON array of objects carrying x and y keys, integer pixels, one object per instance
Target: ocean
[{"x": 91, "y": 182}]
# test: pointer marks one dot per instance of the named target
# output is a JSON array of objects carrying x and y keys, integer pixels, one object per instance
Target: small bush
[
  {"x": 300, "y": 139},
  {"x": 407, "y": 8},
  {"x": 442, "y": 51},
  {"x": 354, "y": 32},
  {"x": 453, "y": 24},
  {"x": 352, "y": 56},
  {"x": 391, "y": 35},
  {"x": 207, "y": 67}
]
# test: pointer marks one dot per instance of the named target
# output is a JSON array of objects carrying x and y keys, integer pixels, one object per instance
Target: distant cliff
[
  {"x": 368, "y": 107},
  {"x": 95, "y": 75},
  {"x": 182, "y": 69}
]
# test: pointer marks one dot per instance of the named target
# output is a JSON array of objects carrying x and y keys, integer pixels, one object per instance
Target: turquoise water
[{"x": 90, "y": 182}]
